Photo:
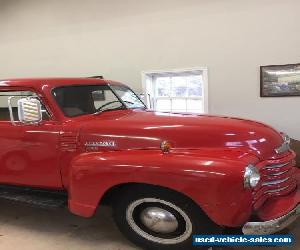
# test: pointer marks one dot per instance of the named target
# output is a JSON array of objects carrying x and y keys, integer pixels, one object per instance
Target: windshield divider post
[{"x": 114, "y": 92}]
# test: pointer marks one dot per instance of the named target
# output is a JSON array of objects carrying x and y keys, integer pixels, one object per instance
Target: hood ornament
[{"x": 285, "y": 145}]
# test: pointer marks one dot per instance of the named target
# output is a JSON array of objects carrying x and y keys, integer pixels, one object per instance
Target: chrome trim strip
[
  {"x": 272, "y": 226},
  {"x": 276, "y": 190},
  {"x": 277, "y": 165},
  {"x": 278, "y": 173},
  {"x": 275, "y": 182}
]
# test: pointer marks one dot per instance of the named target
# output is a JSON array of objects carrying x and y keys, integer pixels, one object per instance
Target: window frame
[{"x": 148, "y": 91}]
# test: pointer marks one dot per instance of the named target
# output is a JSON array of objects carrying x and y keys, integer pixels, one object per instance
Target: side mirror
[{"x": 29, "y": 110}]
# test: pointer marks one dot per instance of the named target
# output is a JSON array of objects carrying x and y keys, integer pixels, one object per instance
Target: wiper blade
[{"x": 106, "y": 110}]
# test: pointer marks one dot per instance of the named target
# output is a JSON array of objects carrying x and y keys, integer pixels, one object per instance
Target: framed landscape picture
[{"x": 280, "y": 80}]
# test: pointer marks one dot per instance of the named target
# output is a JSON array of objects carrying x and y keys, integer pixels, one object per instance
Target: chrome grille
[
  {"x": 275, "y": 182},
  {"x": 277, "y": 178},
  {"x": 277, "y": 165}
]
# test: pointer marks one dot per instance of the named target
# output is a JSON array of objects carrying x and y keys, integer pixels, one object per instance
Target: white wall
[{"x": 119, "y": 39}]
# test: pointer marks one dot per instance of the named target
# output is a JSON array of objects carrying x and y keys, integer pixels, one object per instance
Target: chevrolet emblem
[{"x": 100, "y": 144}]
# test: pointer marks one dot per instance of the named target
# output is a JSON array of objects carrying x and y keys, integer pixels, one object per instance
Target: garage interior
[{"x": 224, "y": 43}]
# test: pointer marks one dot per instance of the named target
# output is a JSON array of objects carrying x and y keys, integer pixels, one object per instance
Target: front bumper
[{"x": 272, "y": 226}]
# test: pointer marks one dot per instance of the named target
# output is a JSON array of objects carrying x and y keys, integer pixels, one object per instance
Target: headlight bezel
[{"x": 251, "y": 176}]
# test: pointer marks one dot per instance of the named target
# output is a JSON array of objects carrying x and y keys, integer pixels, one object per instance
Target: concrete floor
[{"x": 27, "y": 228}]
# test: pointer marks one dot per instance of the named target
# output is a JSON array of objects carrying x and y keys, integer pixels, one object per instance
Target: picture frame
[{"x": 280, "y": 80}]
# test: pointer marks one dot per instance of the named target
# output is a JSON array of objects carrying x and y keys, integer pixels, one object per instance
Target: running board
[{"x": 34, "y": 197}]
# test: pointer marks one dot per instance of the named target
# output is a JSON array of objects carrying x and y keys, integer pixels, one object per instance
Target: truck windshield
[
  {"x": 128, "y": 97},
  {"x": 91, "y": 99}
]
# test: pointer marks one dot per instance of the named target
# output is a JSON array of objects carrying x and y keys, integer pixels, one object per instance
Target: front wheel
[{"x": 157, "y": 218}]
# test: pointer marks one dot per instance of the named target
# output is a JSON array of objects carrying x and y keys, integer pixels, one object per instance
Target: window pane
[
  {"x": 195, "y": 106},
  {"x": 84, "y": 99},
  {"x": 163, "y": 105},
  {"x": 163, "y": 86},
  {"x": 4, "y": 111},
  {"x": 179, "y": 105},
  {"x": 105, "y": 98},
  {"x": 179, "y": 86},
  {"x": 184, "y": 88},
  {"x": 195, "y": 86},
  {"x": 129, "y": 97}
]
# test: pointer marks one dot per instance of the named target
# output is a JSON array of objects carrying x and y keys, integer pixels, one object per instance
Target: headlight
[{"x": 251, "y": 176}]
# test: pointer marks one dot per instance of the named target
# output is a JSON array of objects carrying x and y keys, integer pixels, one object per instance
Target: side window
[{"x": 4, "y": 110}]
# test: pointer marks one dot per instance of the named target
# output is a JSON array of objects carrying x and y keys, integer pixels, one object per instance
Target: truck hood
[{"x": 138, "y": 129}]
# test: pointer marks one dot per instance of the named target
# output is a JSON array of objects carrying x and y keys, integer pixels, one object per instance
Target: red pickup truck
[{"x": 83, "y": 142}]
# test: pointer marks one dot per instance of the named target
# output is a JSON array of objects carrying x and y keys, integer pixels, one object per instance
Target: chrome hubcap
[{"x": 159, "y": 220}]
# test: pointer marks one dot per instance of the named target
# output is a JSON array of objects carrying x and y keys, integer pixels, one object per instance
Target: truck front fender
[{"x": 213, "y": 179}]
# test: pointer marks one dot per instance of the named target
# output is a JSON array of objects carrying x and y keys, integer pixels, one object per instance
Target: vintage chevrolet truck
[{"x": 83, "y": 142}]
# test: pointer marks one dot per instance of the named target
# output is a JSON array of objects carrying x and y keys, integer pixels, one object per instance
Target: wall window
[{"x": 176, "y": 91}]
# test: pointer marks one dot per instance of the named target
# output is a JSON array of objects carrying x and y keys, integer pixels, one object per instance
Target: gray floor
[{"x": 29, "y": 228}]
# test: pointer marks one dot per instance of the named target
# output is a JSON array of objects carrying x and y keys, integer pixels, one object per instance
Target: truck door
[{"x": 28, "y": 153}]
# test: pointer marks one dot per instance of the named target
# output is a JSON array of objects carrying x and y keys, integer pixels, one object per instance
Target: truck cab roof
[{"x": 54, "y": 82}]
